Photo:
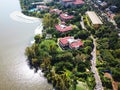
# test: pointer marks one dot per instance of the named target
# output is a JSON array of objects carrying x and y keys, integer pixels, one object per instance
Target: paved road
[
  {"x": 82, "y": 23},
  {"x": 94, "y": 69}
]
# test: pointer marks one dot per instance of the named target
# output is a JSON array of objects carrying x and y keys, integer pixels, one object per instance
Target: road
[
  {"x": 94, "y": 69},
  {"x": 82, "y": 23}
]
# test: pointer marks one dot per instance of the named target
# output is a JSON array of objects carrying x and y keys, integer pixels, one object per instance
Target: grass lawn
[{"x": 82, "y": 86}]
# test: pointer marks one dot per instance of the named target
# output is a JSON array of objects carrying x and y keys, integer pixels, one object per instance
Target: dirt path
[{"x": 114, "y": 84}]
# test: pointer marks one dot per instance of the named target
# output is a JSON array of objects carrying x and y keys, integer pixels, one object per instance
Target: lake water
[{"x": 15, "y": 36}]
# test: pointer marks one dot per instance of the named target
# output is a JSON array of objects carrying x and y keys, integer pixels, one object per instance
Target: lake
[{"x": 15, "y": 36}]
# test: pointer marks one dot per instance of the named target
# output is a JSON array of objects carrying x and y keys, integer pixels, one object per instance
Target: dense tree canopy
[{"x": 117, "y": 19}]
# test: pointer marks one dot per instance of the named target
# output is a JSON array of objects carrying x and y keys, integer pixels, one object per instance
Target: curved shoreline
[
  {"x": 20, "y": 17},
  {"x": 37, "y": 31}
]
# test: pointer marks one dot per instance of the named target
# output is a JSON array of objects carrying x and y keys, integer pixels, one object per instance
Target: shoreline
[
  {"x": 37, "y": 31},
  {"x": 20, "y": 17}
]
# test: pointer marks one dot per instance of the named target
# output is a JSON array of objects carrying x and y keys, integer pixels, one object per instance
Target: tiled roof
[
  {"x": 75, "y": 1},
  {"x": 78, "y": 2},
  {"x": 56, "y": 10},
  {"x": 71, "y": 42},
  {"x": 42, "y": 7},
  {"x": 66, "y": 16},
  {"x": 76, "y": 44},
  {"x": 67, "y": 0},
  {"x": 64, "y": 40},
  {"x": 63, "y": 28}
]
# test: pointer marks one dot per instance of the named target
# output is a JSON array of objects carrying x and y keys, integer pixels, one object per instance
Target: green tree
[
  {"x": 82, "y": 34},
  {"x": 117, "y": 19},
  {"x": 88, "y": 49},
  {"x": 37, "y": 38},
  {"x": 49, "y": 21}
]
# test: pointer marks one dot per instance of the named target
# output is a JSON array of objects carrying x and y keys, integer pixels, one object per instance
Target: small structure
[
  {"x": 94, "y": 19},
  {"x": 78, "y": 2},
  {"x": 66, "y": 17},
  {"x": 63, "y": 28},
  {"x": 110, "y": 14},
  {"x": 57, "y": 11},
  {"x": 42, "y": 7},
  {"x": 67, "y": 3},
  {"x": 38, "y": 3},
  {"x": 103, "y": 4},
  {"x": 70, "y": 42},
  {"x": 113, "y": 8},
  {"x": 48, "y": 36}
]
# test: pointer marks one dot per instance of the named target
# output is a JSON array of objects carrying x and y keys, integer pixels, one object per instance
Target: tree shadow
[{"x": 34, "y": 66}]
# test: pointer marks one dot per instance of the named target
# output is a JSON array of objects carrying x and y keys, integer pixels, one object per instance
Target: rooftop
[
  {"x": 65, "y": 40},
  {"x": 74, "y": 1},
  {"x": 63, "y": 28},
  {"x": 42, "y": 7},
  {"x": 76, "y": 44},
  {"x": 67, "y": 0},
  {"x": 56, "y": 11},
  {"x": 93, "y": 17},
  {"x": 71, "y": 42},
  {"x": 66, "y": 16},
  {"x": 78, "y": 2}
]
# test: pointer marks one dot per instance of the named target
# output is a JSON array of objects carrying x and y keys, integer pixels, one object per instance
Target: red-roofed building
[
  {"x": 70, "y": 42},
  {"x": 66, "y": 17},
  {"x": 63, "y": 28},
  {"x": 42, "y": 7},
  {"x": 78, "y": 2},
  {"x": 76, "y": 44},
  {"x": 64, "y": 41},
  {"x": 67, "y": 3},
  {"x": 57, "y": 11}
]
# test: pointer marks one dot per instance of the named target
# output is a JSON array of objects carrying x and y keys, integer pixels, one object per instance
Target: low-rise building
[
  {"x": 76, "y": 44},
  {"x": 103, "y": 4},
  {"x": 66, "y": 17},
  {"x": 63, "y": 42},
  {"x": 57, "y": 11},
  {"x": 67, "y": 3},
  {"x": 70, "y": 42},
  {"x": 63, "y": 28},
  {"x": 94, "y": 19},
  {"x": 42, "y": 7},
  {"x": 110, "y": 14},
  {"x": 78, "y": 2}
]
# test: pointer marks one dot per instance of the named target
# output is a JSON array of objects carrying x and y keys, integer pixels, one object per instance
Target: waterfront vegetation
[
  {"x": 63, "y": 68},
  {"x": 70, "y": 69}
]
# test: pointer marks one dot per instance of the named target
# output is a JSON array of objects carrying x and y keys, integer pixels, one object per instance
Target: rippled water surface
[{"x": 15, "y": 36}]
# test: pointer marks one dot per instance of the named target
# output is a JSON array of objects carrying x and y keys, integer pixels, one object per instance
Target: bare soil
[{"x": 114, "y": 84}]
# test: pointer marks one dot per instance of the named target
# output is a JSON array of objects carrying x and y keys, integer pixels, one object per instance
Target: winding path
[{"x": 94, "y": 69}]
